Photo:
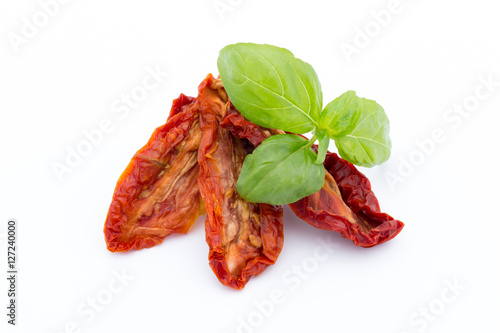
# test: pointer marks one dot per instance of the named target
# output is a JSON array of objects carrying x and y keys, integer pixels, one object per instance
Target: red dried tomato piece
[
  {"x": 158, "y": 193},
  {"x": 244, "y": 238},
  {"x": 347, "y": 204}
]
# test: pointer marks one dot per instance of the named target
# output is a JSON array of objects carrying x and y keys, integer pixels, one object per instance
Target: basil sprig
[{"x": 272, "y": 88}]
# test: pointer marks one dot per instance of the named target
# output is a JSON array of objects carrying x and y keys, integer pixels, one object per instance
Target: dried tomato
[
  {"x": 158, "y": 193},
  {"x": 244, "y": 238},
  {"x": 347, "y": 204}
]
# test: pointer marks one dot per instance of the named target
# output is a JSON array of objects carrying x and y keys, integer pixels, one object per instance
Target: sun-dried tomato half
[
  {"x": 347, "y": 204},
  {"x": 244, "y": 238},
  {"x": 158, "y": 193}
]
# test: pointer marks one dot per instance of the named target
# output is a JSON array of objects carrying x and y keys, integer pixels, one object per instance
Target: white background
[{"x": 65, "y": 78}]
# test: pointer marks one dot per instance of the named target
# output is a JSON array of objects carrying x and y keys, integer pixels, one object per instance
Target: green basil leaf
[
  {"x": 341, "y": 115},
  {"x": 271, "y": 87},
  {"x": 280, "y": 171},
  {"x": 368, "y": 142},
  {"x": 323, "y": 144}
]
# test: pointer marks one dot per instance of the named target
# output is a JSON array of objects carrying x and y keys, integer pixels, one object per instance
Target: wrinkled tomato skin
[
  {"x": 243, "y": 238},
  {"x": 155, "y": 196},
  {"x": 356, "y": 193}
]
